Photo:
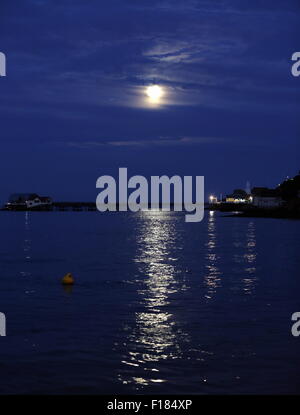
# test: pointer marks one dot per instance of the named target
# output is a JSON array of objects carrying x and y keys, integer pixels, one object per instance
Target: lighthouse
[{"x": 248, "y": 187}]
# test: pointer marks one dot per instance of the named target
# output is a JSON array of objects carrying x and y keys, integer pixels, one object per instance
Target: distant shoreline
[{"x": 234, "y": 209}]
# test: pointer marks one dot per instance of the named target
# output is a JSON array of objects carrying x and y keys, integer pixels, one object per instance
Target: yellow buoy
[{"x": 68, "y": 279}]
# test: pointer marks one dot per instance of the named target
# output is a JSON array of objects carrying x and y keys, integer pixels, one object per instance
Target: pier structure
[{"x": 56, "y": 207}]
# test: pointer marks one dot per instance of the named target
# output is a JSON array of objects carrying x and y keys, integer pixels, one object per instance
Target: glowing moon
[{"x": 154, "y": 92}]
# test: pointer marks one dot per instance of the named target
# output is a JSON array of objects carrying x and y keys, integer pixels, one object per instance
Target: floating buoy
[{"x": 68, "y": 279}]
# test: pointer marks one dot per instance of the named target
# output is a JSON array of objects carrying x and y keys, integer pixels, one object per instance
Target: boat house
[{"x": 27, "y": 201}]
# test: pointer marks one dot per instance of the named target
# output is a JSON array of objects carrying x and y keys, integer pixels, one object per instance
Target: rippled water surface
[{"x": 159, "y": 305}]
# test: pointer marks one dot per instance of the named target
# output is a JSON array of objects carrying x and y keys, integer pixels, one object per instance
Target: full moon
[{"x": 154, "y": 92}]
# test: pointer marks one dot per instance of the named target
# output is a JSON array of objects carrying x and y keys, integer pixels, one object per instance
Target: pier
[
  {"x": 76, "y": 207},
  {"x": 56, "y": 207}
]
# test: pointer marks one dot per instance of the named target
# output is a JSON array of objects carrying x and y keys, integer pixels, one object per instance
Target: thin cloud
[{"x": 165, "y": 142}]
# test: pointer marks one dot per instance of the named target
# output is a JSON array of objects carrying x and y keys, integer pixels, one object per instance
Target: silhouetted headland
[{"x": 281, "y": 202}]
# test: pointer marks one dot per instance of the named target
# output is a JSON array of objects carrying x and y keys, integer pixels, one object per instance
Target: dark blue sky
[{"x": 72, "y": 105}]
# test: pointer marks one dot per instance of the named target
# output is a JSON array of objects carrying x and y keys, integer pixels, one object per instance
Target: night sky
[{"x": 73, "y": 104}]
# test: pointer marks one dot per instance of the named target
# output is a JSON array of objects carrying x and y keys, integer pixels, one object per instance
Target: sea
[{"x": 159, "y": 306}]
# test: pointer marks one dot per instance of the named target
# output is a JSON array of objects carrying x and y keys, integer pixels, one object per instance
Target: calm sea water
[{"x": 159, "y": 305}]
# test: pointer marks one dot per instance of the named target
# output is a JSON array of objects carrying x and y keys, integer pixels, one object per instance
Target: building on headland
[
  {"x": 238, "y": 196},
  {"x": 262, "y": 197},
  {"x": 27, "y": 201}
]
